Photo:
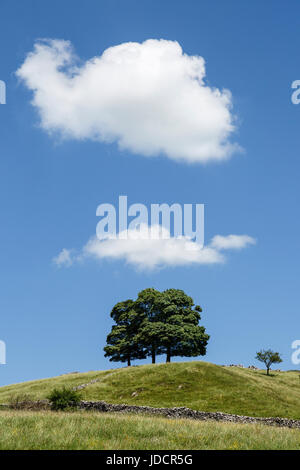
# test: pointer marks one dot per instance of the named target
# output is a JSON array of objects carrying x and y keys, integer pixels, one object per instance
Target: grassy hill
[{"x": 198, "y": 385}]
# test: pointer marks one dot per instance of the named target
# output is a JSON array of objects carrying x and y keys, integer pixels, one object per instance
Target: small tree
[{"x": 268, "y": 357}]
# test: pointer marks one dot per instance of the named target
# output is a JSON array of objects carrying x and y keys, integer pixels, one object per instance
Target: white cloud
[
  {"x": 149, "y": 253},
  {"x": 64, "y": 258},
  {"x": 149, "y": 97},
  {"x": 155, "y": 252},
  {"x": 232, "y": 242}
]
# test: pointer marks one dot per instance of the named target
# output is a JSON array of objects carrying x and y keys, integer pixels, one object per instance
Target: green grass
[
  {"x": 41, "y": 388},
  {"x": 85, "y": 430},
  {"x": 198, "y": 385}
]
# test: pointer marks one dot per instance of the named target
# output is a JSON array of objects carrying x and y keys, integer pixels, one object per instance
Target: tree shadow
[{"x": 266, "y": 375}]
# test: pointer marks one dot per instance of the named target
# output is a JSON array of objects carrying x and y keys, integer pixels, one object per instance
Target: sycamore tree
[
  {"x": 183, "y": 336},
  {"x": 122, "y": 342},
  {"x": 156, "y": 323},
  {"x": 151, "y": 329},
  {"x": 268, "y": 357}
]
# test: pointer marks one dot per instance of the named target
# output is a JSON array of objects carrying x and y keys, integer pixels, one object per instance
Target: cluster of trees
[{"x": 156, "y": 323}]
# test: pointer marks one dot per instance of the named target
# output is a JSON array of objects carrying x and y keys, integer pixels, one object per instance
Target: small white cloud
[
  {"x": 149, "y": 97},
  {"x": 152, "y": 247},
  {"x": 232, "y": 242},
  {"x": 64, "y": 258}
]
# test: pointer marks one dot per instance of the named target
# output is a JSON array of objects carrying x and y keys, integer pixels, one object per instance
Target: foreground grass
[
  {"x": 86, "y": 430},
  {"x": 198, "y": 385}
]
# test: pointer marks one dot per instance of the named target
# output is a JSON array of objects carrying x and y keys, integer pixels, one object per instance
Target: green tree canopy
[
  {"x": 268, "y": 357},
  {"x": 182, "y": 336},
  {"x": 151, "y": 329},
  {"x": 122, "y": 341},
  {"x": 156, "y": 323}
]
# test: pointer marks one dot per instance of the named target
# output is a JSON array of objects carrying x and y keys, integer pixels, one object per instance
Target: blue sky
[{"x": 55, "y": 320}]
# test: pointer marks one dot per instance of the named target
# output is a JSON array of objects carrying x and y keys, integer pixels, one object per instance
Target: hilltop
[{"x": 196, "y": 384}]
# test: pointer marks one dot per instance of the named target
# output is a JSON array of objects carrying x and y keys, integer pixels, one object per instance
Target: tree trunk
[
  {"x": 268, "y": 371},
  {"x": 153, "y": 355},
  {"x": 168, "y": 355},
  {"x": 128, "y": 362}
]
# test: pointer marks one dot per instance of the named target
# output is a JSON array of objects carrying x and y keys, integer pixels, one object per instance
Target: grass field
[
  {"x": 86, "y": 430},
  {"x": 198, "y": 385}
]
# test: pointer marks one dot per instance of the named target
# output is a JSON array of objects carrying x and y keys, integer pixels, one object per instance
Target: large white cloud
[
  {"x": 159, "y": 250},
  {"x": 149, "y": 97}
]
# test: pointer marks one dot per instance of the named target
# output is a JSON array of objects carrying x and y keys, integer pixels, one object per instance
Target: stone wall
[
  {"x": 176, "y": 412},
  {"x": 183, "y": 412}
]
